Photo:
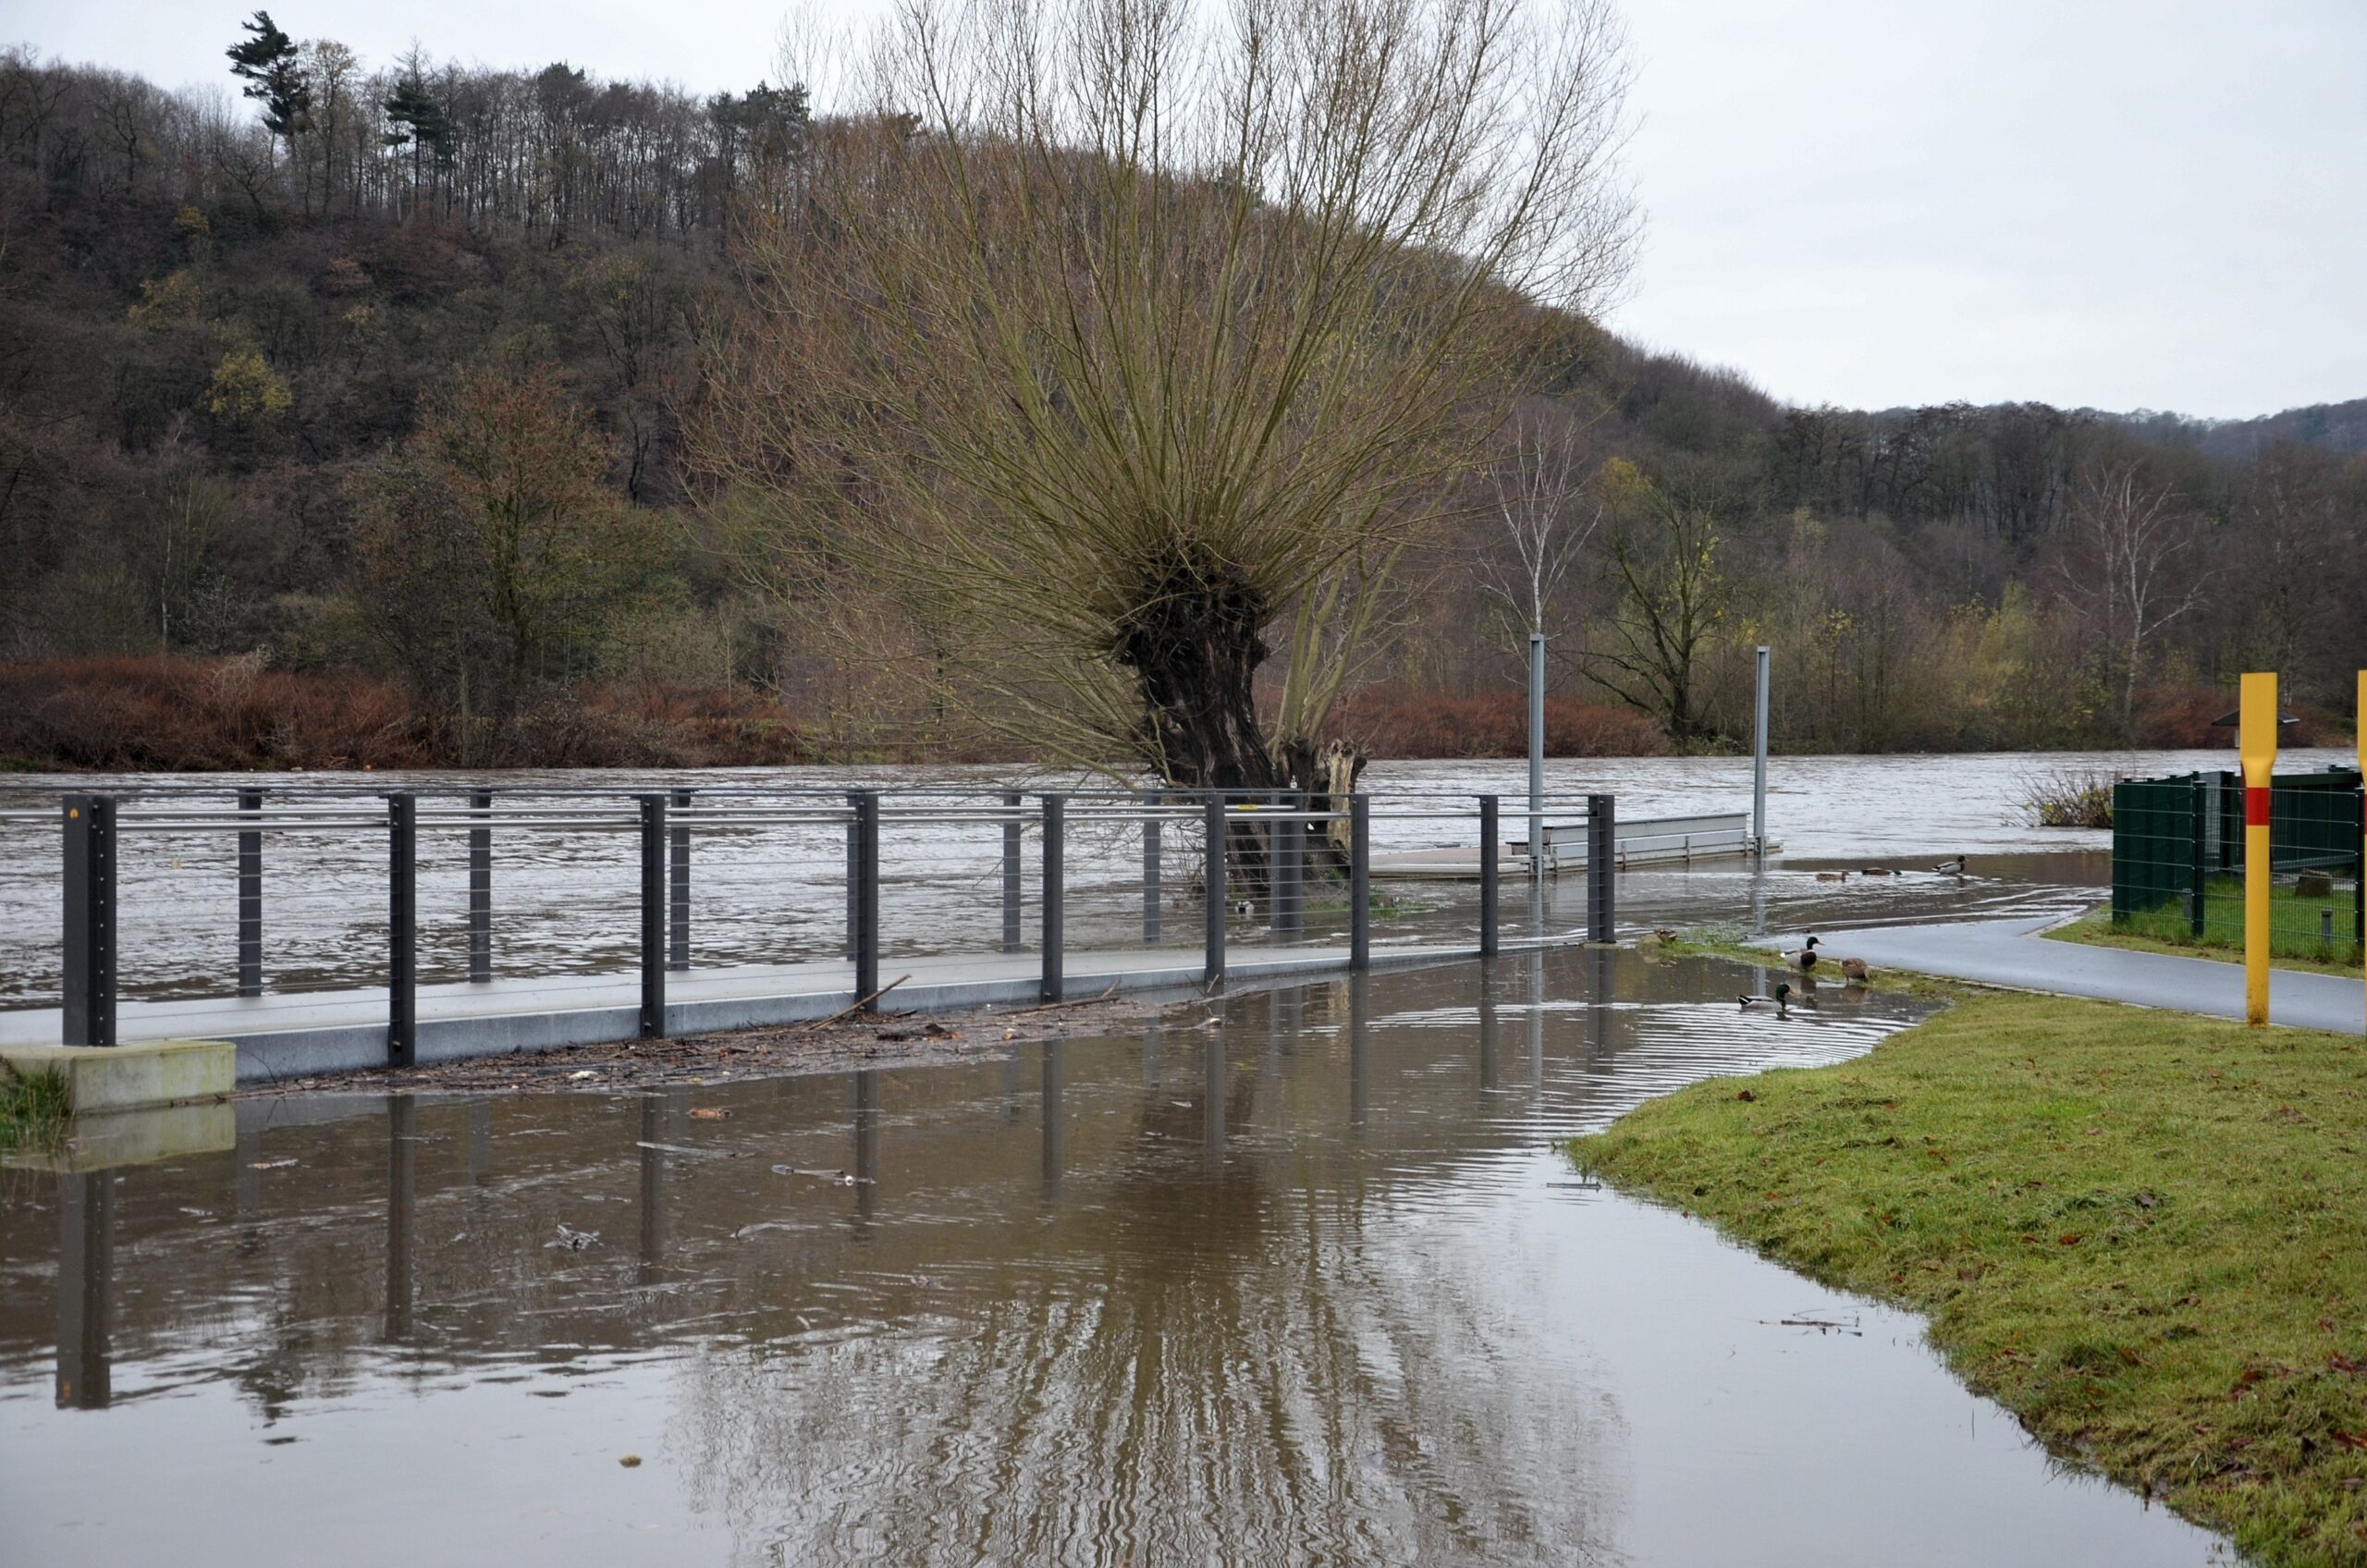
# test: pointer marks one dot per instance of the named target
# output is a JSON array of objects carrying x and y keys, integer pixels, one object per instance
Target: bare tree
[
  {"x": 2123, "y": 570},
  {"x": 1542, "y": 499},
  {"x": 1669, "y": 598},
  {"x": 1122, "y": 336}
]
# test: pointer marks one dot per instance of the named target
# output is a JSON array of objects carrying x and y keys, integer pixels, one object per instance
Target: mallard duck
[
  {"x": 1778, "y": 1001},
  {"x": 1833, "y": 877},
  {"x": 1877, "y": 871},
  {"x": 1803, "y": 959},
  {"x": 1854, "y": 970},
  {"x": 1951, "y": 867}
]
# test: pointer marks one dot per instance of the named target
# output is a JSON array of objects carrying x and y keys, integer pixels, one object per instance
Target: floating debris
[{"x": 837, "y": 1178}]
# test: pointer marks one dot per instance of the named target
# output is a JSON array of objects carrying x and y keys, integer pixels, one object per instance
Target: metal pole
[
  {"x": 1055, "y": 806},
  {"x": 1759, "y": 764},
  {"x": 1288, "y": 863},
  {"x": 1536, "y": 754},
  {"x": 1213, "y": 891},
  {"x": 403, "y": 929},
  {"x": 2196, "y": 885},
  {"x": 865, "y": 869},
  {"x": 1012, "y": 803},
  {"x": 1150, "y": 800},
  {"x": 653, "y": 917},
  {"x": 678, "y": 909},
  {"x": 251, "y": 899},
  {"x": 480, "y": 891},
  {"x": 88, "y": 1017},
  {"x": 1360, "y": 881},
  {"x": 2256, "y": 741},
  {"x": 1602, "y": 850},
  {"x": 1489, "y": 848}
]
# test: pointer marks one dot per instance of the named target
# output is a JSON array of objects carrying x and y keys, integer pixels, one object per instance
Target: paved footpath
[
  {"x": 287, "y": 1033},
  {"x": 2008, "y": 952}
]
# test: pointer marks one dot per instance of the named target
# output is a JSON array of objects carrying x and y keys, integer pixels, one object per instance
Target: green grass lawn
[
  {"x": 2145, "y": 1235},
  {"x": 2098, "y": 930},
  {"x": 2294, "y": 924}
]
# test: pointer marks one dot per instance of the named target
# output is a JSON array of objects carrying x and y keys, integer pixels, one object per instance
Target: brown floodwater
[{"x": 1309, "y": 1284}]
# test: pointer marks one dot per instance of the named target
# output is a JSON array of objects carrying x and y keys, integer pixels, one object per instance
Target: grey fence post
[
  {"x": 481, "y": 890},
  {"x": 250, "y": 898},
  {"x": 1490, "y": 847},
  {"x": 1012, "y": 801},
  {"x": 1055, "y": 912},
  {"x": 854, "y": 880},
  {"x": 653, "y": 917},
  {"x": 1151, "y": 801},
  {"x": 89, "y": 1014},
  {"x": 1213, "y": 890},
  {"x": 1360, "y": 881},
  {"x": 862, "y": 869},
  {"x": 1290, "y": 863},
  {"x": 1603, "y": 869},
  {"x": 2194, "y": 853},
  {"x": 403, "y": 929},
  {"x": 677, "y": 897}
]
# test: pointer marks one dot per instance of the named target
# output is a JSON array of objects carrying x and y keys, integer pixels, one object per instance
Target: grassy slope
[{"x": 2144, "y": 1234}]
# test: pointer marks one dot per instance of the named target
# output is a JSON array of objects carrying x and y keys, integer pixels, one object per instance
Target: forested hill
[
  {"x": 275, "y": 368},
  {"x": 2337, "y": 427}
]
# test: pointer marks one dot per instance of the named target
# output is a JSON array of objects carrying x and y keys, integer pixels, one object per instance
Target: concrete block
[
  {"x": 153, "y": 1072},
  {"x": 103, "y": 1140}
]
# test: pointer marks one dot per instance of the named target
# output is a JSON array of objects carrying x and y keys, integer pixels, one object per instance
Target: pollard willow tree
[{"x": 1119, "y": 340}]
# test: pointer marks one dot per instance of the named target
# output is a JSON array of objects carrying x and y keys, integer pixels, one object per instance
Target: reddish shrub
[
  {"x": 174, "y": 715},
  {"x": 2181, "y": 717},
  {"x": 162, "y": 714},
  {"x": 1391, "y": 721}
]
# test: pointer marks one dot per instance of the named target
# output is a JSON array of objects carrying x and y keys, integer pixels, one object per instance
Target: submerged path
[
  {"x": 2011, "y": 953},
  {"x": 295, "y": 1033}
]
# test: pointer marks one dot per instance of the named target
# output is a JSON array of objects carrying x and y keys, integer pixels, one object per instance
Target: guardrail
[
  {"x": 1257, "y": 843},
  {"x": 1651, "y": 839}
]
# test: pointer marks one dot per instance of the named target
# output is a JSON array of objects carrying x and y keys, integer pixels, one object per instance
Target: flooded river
[
  {"x": 1306, "y": 1284},
  {"x": 564, "y": 902}
]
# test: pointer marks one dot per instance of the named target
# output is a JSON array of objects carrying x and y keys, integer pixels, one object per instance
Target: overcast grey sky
[{"x": 2115, "y": 203}]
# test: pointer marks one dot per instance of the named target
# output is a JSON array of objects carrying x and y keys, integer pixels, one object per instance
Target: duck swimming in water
[
  {"x": 1951, "y": 867},
  {"x": 1778, "y": 1001}
]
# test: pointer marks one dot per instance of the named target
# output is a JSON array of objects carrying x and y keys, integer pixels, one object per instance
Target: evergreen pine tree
[{"x": 268, "y": 63}]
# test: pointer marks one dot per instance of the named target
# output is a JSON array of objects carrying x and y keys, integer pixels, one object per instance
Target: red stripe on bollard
[{"x": 2255, "y": 807}]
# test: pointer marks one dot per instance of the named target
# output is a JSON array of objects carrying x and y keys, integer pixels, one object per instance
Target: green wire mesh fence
[{"x": 2177, "y": 862}]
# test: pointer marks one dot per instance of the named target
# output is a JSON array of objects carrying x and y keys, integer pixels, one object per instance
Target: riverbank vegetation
[
  {"x": 2139, "y": 1231},
  {"x": 34, "y": 1108},
  {"x": 249, "y": 362}
]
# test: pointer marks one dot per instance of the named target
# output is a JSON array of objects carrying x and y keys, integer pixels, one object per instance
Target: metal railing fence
[{"x": 1238, "y": 848}]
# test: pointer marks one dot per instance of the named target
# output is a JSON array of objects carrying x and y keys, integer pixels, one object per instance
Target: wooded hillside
[{"x": 384, "y": 371}]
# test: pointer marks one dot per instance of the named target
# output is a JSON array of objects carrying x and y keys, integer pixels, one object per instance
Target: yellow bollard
[{"x": 2257, "y": 743}]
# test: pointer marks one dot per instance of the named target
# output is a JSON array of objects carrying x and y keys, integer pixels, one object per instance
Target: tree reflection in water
[{"x": 1218, "y": 1349}]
